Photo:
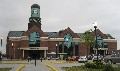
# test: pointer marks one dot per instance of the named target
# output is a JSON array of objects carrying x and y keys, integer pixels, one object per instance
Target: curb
[
  {"x": 51, "y": 67},
  {"x": 22, "y": 66}
]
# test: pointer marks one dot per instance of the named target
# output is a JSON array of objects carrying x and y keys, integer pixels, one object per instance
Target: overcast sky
[{"x": 56, "y": 15}]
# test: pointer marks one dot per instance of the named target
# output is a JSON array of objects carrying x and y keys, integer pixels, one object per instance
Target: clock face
[{"x": 35, "y": 11}]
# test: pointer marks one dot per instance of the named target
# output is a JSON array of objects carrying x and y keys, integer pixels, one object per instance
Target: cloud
[{"x": 60, "y": 14}]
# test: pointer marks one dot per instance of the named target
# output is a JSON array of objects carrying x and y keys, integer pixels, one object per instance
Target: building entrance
[{"x": 36, "y": 54}]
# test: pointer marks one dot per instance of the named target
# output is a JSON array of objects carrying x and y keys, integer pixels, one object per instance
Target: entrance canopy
[{"x": 34, "y": 48}]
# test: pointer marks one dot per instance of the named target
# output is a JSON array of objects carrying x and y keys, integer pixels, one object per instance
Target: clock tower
[{"x": 35, "y": 17}]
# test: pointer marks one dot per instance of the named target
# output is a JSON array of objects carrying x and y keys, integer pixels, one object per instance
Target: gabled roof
[
  {"x": 52, "y": 34},
  {"x": 49, "y": 34},
  {"x": 81, "y": 35},
  {"x": 15, "y": 33},
  {"x": 109, "y": 36}
]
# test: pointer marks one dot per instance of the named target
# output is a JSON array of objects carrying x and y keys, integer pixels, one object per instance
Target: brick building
[{"x": 36, "y": 43}]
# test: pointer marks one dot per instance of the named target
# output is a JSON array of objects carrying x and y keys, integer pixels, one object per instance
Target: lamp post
[
  {"x": 100, "y": 52},
  {"x": 67, "y": 49},
  {"x": 1, "y": 41},
  {"x": 56, "y": 51},
  {"x": 1, "y": 50},
  {"x": 95, "y": 26},
  {"x": 19, "y": 51},
  {"x": 13, "y": 50}
]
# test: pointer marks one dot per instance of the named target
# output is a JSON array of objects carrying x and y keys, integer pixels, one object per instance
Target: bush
[
  {"x": 95, "y": 65},
  {"x": 99, "y": 64},
  {"x": 108, "y": 67},
  {"x": 90, "y": 65}
]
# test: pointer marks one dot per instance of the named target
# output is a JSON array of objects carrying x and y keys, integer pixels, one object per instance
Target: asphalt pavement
[
  {"x": 40, "y": 66},
  {"x": 13, "y": 66}
]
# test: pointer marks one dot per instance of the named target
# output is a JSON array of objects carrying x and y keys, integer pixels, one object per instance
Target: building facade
[{"x": 36, "y": 43}]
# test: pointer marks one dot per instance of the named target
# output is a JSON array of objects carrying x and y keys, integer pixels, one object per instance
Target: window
[
  {"x": 105, "y": 45},
  {"x": 34, "y": 39},
  {"x": 99, "y": 41}
]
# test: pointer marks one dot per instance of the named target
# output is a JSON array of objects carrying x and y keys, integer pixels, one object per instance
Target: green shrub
[
  {"x": 95, "y": 65},
  {"x": 99, "y": 64},
  {"x": 108, "y": 67},
  {"x": 90, "y": 65}
]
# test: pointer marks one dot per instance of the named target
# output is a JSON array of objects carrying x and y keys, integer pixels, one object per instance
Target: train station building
[{"x": 34, "y": 42}]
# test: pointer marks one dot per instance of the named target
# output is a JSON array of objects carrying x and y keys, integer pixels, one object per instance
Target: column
[
  {"x": 96, "y": 51},
  {"x": 73, "y": 49},
  {"x": 106, "y": 51},
  {"x": 14, "y": 52},
  {"x": 62, "y": 47},
  {"x": 44, "y": 53},
  {"x": 23, "y": 54}
]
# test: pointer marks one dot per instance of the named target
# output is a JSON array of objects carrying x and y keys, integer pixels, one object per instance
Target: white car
[{"x": 82, "y": 59}]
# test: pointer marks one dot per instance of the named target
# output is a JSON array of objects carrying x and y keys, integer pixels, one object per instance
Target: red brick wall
[
  {"x": 52, "y": 47},
  {"x": 34, "y": 29},
  {"x": 24, "y": 43},
  {"x": 43, "y": 43},
  {"x": 51, "y": 44},
  {"x": 10, "y": 49},
  {"x": 101, "y": 34},
  {"x": 83, "y": 49},
  {"x": 68, "y": 31},
  {"x": 112, "y": 46}
]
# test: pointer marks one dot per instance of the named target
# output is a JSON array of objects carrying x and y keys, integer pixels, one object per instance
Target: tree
[{"x": 89, "y": 39}]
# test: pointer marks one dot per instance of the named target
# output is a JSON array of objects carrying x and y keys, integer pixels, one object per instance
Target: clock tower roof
[{"x": 35, "y": 6}]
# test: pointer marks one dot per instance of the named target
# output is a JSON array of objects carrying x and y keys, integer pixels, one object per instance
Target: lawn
[
  {"x": 79, "y": 68},
  {"x": 82, "y": 68},
  {"x": 5, "y": 69}
]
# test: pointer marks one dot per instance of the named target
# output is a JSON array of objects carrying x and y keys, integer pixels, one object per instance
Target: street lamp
[
  {"x": 56, "y": 51},
  {"x": 1, "y": 41},
  {"x": 100, "y": 52},
  {"x": 20, "y": 55},
  {"x": 67, "y": 49},
  {"x": 13, "y": 49},
  {"x": 95, "y": 26}
]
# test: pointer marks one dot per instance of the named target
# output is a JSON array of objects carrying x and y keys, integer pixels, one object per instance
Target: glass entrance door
[{"x": 36, "y": 54}]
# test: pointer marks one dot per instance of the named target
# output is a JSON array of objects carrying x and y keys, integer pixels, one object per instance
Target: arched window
[
  {"x": 70, "y": 40},
  {"x": 68, "y": 45},
  {"x": 34, "y": 39},
  {"x": 60, "y": 47},
  {"x": 99, "y": 41}
]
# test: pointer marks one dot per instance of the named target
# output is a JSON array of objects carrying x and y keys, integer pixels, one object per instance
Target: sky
[{"x": 56, "y": 15}]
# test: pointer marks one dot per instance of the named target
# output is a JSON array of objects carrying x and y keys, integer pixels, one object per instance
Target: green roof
[{"x": 15, "y": 33}]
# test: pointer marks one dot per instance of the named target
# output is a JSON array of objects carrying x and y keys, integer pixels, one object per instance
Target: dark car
[
  {"x": 74, "y": 58},
  {"x": 113, "y": 58},
  {"x": 100, "y": 57}
]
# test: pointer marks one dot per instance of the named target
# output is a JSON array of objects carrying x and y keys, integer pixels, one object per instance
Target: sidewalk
[
  {"x": 61, "y": 63},
  {"x": 40, "y": 66},
  {"x": 13, "y": 66},
  {"x": 57, "y": 66}
]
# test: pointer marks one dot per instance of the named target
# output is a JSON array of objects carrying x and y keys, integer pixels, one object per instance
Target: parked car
[
  {"x": 74, "y": 58},
  {"x": 100, "y": 57},
  {"x": 52, "y": 58},
  {"x": 113, "y": 58},
  {"x": 90, "y": 57},
  {"x": 82, "y": 59}
]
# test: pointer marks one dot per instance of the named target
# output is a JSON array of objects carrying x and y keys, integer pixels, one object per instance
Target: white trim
[
  {"x": 109, "y": 40},
  {"x": 14, "y": 37},
  {"x": 100, "y": 49},
  {"x": 34, "y": 48}
]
